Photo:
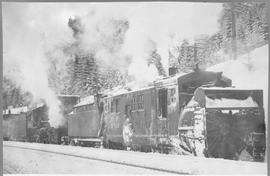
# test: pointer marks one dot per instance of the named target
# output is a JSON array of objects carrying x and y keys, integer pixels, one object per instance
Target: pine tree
[{"x": 155, "y": 59}]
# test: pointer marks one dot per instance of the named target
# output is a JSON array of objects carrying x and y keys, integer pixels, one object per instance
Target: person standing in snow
[{"x": 127, "y": 133}]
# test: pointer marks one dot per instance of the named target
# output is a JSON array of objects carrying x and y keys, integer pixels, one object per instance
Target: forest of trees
[{"x": 243, "y": 27}]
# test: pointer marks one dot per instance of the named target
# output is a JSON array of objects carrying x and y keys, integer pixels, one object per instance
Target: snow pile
[
  {"x": 230, "y": 103},
  {"x": 249, "y": 71}
]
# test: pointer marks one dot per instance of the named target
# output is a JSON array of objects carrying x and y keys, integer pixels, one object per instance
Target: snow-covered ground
[
  {"x": 249, "y": 71},
  {"x": 38, "y": 162},
  {"x": 175, "y": 163}
]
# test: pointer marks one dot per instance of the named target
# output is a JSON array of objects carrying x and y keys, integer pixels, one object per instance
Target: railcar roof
[
  {"x": 132, "y": 91},
  {"x": 86, "y": 101},
  {"x": 18, "y": 110},
  {"x": 227, "y": 88},
  {"x": 183, "y": 76},
  {"x": 62, "y": 95}
]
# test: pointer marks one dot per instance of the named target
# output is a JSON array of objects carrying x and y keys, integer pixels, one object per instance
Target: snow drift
[{"x": 249, "y": 71}]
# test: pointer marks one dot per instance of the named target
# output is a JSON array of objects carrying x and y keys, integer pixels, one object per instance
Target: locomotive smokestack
[{"x": 172, "y": 71}]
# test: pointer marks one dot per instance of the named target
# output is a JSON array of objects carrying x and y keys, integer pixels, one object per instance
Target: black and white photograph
[{"x": 136, "y": 88}]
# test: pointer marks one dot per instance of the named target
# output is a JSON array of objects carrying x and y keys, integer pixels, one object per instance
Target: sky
[{"x": 30, "y": 30}]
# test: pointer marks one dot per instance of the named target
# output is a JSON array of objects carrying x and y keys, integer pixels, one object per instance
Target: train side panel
[
  {"x": 14, "y": 127},
  {"x": 173, "y": 109},
  {"x": 114, "y": 111},
  {"x": 143, "y": 117},
  {"x": 140, "y": 108},
  {"x": 84, "y": 124}
]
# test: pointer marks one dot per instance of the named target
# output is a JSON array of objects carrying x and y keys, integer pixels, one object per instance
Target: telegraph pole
[
  {"x": 196, "y": 58},
  {"x": 234, "y": 44}
]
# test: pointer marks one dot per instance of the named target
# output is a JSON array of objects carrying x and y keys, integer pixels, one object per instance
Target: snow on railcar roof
[
  {"x": 125, "y": 91},
  {"x": 63, "y": 95},
  {"x": 227, "y": 88},
  {"x": 170, "y": 78},
  {"x": 115, "y": 91},
  {"x": 17, "y": 110},
  {"x": 86, "y": 101}
]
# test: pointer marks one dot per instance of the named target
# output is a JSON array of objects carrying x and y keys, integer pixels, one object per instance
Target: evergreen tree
[{"x": 155, "y": 59}]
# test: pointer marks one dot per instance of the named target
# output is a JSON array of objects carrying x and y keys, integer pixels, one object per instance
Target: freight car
[
  {"x": 84, "y": 123},
  {"x": 32, "y": 124},
  {"x": 224, "y": 123},
  {"x": 14, "y": 124},
  {"x": 144, "y": 119}
]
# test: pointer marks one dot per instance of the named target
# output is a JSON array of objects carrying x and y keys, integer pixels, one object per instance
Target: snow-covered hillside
[{"x": 248, "y": 71}]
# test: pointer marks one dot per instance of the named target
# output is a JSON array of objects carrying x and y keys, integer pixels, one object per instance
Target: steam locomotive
[{"x": 196, "y": 113}]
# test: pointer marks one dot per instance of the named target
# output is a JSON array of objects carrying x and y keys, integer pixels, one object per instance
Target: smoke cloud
[{"x": 118, "y": 34}]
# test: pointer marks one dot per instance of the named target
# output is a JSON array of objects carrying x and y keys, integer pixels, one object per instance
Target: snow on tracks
[{"x": 168, "y": 163}]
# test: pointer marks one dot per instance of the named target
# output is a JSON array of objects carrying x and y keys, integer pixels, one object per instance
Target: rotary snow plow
[{"x": 224, "y": 123}]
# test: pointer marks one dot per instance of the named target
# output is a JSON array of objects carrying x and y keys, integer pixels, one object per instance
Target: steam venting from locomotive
[
  {"x": 116, "y": 38},
  {"x": 113, "y": 44},
  {"x": 31, "y": 76}
]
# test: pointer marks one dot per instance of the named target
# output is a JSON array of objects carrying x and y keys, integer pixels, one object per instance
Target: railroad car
[
  {"x": 32, "y": 124},
  {"x": 139, "y": 108},
  {"x": 15, "y": 124},
  {"x": 84, "y": 123}
]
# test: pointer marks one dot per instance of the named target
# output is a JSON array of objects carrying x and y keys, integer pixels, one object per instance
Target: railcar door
[{"x": 162, "y": 113}]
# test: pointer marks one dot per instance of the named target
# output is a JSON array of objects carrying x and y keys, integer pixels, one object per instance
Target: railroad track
[{"x": 99, "y": 159}]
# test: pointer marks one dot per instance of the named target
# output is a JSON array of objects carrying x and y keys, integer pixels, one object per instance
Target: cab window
[{"x": 140, "y": 101}]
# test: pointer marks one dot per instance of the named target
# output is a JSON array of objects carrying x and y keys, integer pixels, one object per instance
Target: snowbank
[
  {"x": 249, "y": 71},
  {"x": 175, "y": 163}
]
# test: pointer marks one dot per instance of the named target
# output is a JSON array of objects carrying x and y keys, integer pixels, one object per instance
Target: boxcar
[
  {"x": 84, "y": 122},
  {"x": 15, "y": 127}
]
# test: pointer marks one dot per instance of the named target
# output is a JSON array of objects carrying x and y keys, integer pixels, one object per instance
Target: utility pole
[
  {"x": 196, "y": 58},
  {"x": 234, "y": 44},
  {"x": 195, "y": 53}
]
